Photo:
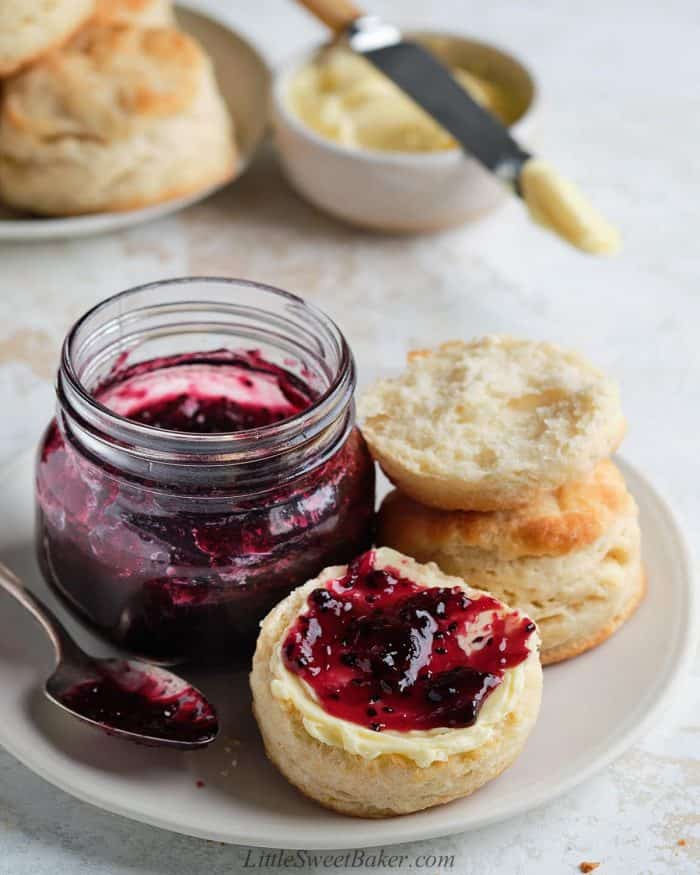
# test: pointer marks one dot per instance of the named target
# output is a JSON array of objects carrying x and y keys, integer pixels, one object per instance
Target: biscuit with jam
[{"x": 385, "y": 686}]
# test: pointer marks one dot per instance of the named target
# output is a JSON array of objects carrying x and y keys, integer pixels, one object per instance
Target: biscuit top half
[
  {"x": 497, "y": 407},
  {"x": 555, "y": 524},
  {"x": 106, "y": 80}
]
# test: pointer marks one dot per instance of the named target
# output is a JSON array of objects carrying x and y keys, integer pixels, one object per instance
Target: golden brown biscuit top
[
  {"x": 555, "y": 524},
  {"x": 110, "y": 10},
  {"x": 105, "y": 80},
  {"x": 142, "y": 13}
]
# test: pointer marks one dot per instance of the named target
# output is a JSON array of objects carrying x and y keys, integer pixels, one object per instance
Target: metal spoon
[{"x": 126, "y": 698}]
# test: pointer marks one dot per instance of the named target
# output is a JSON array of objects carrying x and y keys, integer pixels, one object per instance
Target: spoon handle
[{"x": 61, "y": 640}]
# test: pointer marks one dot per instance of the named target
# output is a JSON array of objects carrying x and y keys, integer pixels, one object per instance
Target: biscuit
[
  {"x": 571, "y": 560},
  {"x": 490, "y": 424},
  {"x": 144, "y": 13},
  {"x": 122, "y": 118},
  {"x": 353, "y": 777},
  {"x": 29, "y": 28}
]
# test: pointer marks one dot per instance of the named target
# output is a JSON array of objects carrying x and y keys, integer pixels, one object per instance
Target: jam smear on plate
[{"x": 382, "y": 651}]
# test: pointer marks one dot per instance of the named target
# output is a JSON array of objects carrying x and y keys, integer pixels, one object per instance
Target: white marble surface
[{"x": 620, "y": 112}]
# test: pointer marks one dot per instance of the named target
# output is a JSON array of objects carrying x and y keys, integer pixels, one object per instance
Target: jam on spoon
[
  {"x": 381, "y": 651},
  {"x": 124, "y": 698},
  {"x": 141, "y": 700}
]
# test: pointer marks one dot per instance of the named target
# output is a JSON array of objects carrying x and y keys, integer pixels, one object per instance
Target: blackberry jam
[
  {"x": 203, "y": 462},
  {"x": 124, "y": 697},
  {"x": 382, "y": 651}
]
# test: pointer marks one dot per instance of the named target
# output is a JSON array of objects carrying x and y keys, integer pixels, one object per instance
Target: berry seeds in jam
[
  {"x": 147, "y": 702},
  {"x": 381, "y": 651}
]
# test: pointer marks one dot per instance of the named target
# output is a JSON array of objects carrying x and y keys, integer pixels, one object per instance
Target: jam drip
[
  {"x": 381, "y": 651},
  {"x": 141, "y": 703}
]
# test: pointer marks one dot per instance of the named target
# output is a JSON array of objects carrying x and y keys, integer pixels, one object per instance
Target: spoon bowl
[
  {"x": 131, "y": 699},
  {"x": 125, "y": 698}
]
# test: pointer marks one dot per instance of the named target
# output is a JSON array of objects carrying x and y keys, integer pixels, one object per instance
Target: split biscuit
[{"x": 490, "y": 424}]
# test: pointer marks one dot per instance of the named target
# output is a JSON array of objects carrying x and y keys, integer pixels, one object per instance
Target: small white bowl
[{"x": 400, "y": 191}]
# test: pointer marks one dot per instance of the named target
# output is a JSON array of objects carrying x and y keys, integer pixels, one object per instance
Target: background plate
[
  {"x": 244, "y": 80},
  {"x": 594, "y": 707}
]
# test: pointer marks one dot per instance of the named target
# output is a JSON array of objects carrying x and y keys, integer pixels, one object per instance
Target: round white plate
[
  {"x": 594, "y": 707},
  {"x": 244, "y": 80}
]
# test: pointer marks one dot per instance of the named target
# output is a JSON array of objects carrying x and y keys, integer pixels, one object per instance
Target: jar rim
[{"x": 226, "y": 447}]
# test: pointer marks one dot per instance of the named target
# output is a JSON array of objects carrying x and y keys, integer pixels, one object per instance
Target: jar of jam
[{"x": 202, "y": 463}]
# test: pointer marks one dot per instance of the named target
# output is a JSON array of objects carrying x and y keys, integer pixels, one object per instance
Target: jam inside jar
[{"x": 203, "y": 462}]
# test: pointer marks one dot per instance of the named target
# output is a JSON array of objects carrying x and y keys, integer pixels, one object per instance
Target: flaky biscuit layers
[
  {"x": 351, "y": 769},
  {"x": 571, "y": 559},
  {"x": 29, "y": 28},
  {"x": 122, "y": 118},
  {"x": 490, "y": 424}
]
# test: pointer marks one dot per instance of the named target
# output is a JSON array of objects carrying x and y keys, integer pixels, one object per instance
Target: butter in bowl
[{"x": 353, "y": 145}]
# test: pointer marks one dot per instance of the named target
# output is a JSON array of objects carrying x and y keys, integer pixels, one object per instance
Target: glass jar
[{"x": 169, "y": 532}]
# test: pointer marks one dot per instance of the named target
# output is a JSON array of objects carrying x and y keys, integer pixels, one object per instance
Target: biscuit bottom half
[{"x": 577, "y": 599}]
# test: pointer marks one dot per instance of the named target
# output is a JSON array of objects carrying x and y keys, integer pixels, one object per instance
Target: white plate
[
  {"x": 244, "y": 80},
  {"x": 594, "y": 707}
]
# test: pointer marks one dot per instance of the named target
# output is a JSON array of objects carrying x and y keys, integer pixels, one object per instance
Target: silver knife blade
[{"x": 431, "y": 85}]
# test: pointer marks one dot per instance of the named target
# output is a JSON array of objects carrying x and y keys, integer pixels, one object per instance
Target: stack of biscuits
[
  {"x": 499, "y": 450},
  {"x": 104, "y": 106}
]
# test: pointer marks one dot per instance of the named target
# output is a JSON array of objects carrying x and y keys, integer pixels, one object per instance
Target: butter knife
[
  {"x": 429, "y": 83},
  {"x": 551, "y": 200}
]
